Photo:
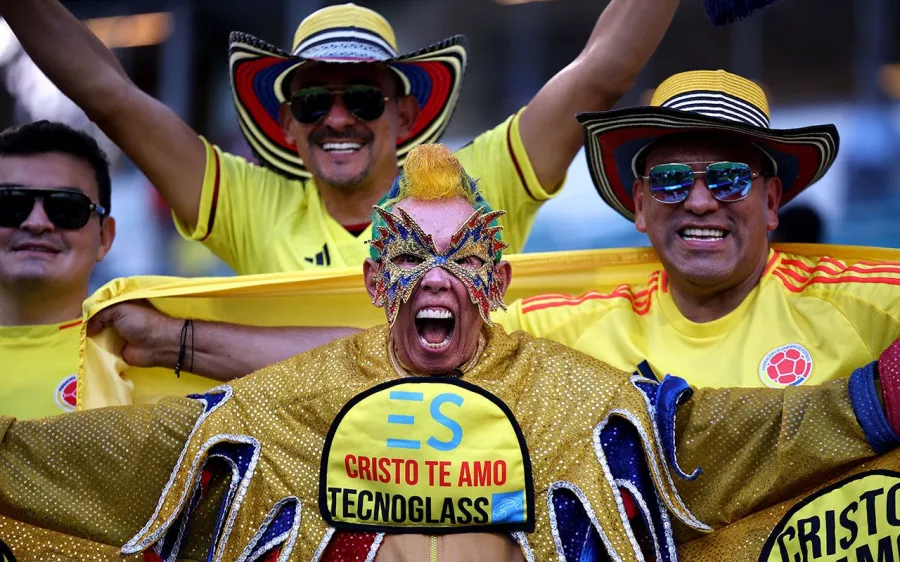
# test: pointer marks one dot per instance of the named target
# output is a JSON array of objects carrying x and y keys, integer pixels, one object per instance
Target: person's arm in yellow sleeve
[
  {"x": 757, "y": 447},
  {"x": 622, "y": 41},
  {"x": 96, "y": 475},
  {"x": 522, "y": 163},
  {"x": 216, "y": 350},
  {"x": 153, "y": 136},
  {"x": 225, "y": 351},
  {"x": 241, "y": 204}
]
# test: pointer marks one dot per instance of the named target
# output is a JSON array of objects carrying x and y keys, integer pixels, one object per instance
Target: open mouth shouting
[{"x": 435, "y": 326}]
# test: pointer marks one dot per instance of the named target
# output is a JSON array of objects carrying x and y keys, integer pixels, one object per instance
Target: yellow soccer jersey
[
  {"x": 810, "y": 320},
  {"x": 258, "y": 221},
  {"x": 40, "y": 366}
]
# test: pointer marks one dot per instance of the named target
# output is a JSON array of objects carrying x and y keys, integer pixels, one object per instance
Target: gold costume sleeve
[
  {"x": 96, "y": 475},
  {"x": 757, "y": 447}
]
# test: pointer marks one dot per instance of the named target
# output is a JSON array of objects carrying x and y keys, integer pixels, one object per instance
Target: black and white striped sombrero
[
  {"x": 260, "y": 77},
  {"x": 695, "y": 101}
]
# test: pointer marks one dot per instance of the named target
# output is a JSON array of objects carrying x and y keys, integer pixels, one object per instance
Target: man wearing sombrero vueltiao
[
  {"x": 330, "y": 122},
  {"x": 701, "y": 172}
]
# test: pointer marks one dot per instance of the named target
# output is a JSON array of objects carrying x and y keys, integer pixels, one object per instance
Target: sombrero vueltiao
[
  {"x": 697, "y": 101},
  {"x": 261, "y": 76}
]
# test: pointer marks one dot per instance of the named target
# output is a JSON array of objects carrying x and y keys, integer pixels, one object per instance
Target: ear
[
  {"x": 637, "y": 192},
  {"x": 503, "y": 273},
  {"x": 773, "y": 202},
  {"x": 407, "y": 112},
  {"x": 286, "y": 120},
  {"x": 370, "y": 276},
  {"x": 107, "y": 235}
]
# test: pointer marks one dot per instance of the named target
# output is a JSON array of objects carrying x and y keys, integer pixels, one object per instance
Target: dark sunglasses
[
  {"x": 69, "y": 210},
  {"x": 727, "y": 181},
  {"x": 366, "y": 103}
]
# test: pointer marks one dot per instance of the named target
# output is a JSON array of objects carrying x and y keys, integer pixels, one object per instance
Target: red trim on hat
[
  {"x": 808, "y": 157},
  {"x": 244, "y": 73},
  {"x": 615, "y": 138},
  {"x": 71, "y": 324},
  {"x": 441, "y": 83},
  {"x": 804, "y": 153}
]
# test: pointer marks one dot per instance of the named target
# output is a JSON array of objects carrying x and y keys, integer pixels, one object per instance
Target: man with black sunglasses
[
  {"x": 703, "y": 175},
  {"x": 54, "y": 227},
  {"x": 330, "y": 134}
]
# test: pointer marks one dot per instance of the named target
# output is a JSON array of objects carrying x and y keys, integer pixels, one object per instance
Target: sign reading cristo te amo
[
  {"x": 854, "y": 520},
  {"x": 426, "y": 454}
]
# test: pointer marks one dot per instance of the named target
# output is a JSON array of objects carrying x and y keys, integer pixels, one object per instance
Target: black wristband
[{"x": 188, "y": 323}]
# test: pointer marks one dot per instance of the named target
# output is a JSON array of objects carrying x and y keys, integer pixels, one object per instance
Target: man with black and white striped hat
[{"x": 701, "y": 172}]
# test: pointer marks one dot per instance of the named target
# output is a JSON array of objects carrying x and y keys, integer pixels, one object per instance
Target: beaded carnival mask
[{"x": 403, "y": 236}]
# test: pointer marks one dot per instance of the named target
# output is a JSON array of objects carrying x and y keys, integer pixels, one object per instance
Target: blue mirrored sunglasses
[{"x": 727, "y": 181}]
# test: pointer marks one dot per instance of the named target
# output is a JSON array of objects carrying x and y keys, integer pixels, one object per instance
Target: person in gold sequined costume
[{"x": 242, "y": 472}]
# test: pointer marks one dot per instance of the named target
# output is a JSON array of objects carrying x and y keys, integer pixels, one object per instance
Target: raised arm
[
  {"x": 625, "y": 36},
  {"x": 216, "y": 350},
  {"x": 163, "y": 146}
]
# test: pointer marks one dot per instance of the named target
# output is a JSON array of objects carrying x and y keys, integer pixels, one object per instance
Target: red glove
[{"x": 889, "y": 373}]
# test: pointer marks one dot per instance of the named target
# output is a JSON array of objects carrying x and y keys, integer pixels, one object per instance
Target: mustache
[
  {"x": 50, "y": 240},
  {"x": 323, "y": 134}
]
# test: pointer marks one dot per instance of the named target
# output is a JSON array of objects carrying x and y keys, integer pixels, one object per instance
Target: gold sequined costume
[{"x": 97, "y": 475}]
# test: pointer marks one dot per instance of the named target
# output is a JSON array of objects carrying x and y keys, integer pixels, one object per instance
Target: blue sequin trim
[
  {"x": 671, "y": 393},
  {"x": 866, "y": 402}
]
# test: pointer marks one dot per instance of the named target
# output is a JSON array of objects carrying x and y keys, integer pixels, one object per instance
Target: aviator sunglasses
[
  {"x": 69, "y": 210},
  {"x": 727, "y": 181},
  {"x": 366, "y": 103}
]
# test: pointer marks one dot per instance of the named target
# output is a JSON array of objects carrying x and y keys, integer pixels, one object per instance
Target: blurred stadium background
[{"x": 835, "y": 61}]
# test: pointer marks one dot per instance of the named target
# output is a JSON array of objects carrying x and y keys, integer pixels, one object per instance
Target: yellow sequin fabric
[
  {"x": 94, "y": 475},
  {"x": 28, "y": 542},
  {"x": 745, "y": 538},
  {"x": 105, "y": 468},
  {"x": 794, "y": 439},
  {"x": 557, "y": 395}
]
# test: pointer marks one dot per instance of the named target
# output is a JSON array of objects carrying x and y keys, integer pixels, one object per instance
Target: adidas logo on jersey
[{"x": 322, "y": 258}]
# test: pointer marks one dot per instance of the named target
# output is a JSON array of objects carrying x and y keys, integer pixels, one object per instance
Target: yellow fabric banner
[{"x": 334, "y": 298}]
